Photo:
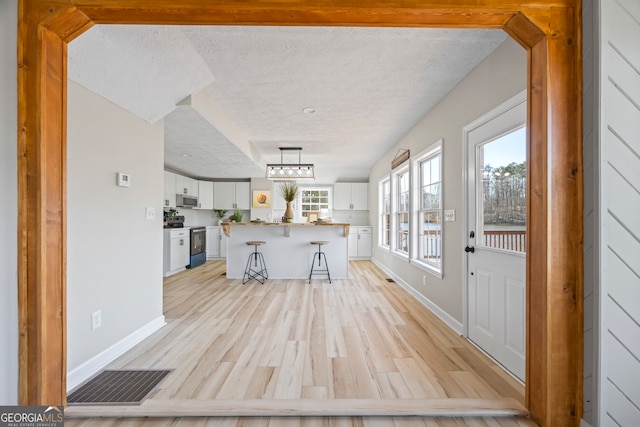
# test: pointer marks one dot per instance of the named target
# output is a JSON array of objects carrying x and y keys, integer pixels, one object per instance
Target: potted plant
[
  {"x": 238, "y": 215},
  {"x": 219, "y": 213},
  {"x": 289, "y": 191}
]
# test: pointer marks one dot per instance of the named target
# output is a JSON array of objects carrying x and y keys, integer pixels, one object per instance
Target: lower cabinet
[
  {"x": 216, "y": 242},
  {"x": 176, "y": 250},
  {"x": 359, "y": 242}
]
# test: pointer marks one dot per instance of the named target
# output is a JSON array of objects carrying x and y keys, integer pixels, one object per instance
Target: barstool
[
  {"x": 258, "y": 270},
  {"x": 320, "y": 255}
]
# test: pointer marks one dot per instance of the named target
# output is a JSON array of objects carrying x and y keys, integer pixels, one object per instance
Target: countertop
[{"x": 226, "y": 226}]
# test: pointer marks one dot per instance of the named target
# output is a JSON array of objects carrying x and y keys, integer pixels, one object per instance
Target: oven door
[{"x": 198, "y": 240}]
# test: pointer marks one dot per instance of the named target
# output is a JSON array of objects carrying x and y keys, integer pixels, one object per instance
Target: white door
[{"x": 496, "y": 230}]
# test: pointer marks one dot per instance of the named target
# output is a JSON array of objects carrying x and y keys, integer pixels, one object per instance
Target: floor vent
[
  {"x": 121, "y": 387},
  {"x": 390, "y": 280}
]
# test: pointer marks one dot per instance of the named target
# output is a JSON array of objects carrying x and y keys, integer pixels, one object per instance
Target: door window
[{"x": 502, "y": 170}]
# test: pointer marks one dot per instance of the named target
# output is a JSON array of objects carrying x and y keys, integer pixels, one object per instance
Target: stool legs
[
  {"x": 320, "y": 256},
  {"x": 256, "y": 267}
]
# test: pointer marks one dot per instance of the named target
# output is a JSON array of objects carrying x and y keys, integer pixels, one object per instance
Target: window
[
  {"x": 385, "y": 212},
  {"x": 401, "y": 243},
  {"x": 314, "y": 200},
  {"x": 428, "y": 193}
]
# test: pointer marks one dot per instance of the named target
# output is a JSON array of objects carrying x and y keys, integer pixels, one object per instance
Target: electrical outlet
[
  {"x": 96, "y": 319},
  {"x": 424, "y": 280}
]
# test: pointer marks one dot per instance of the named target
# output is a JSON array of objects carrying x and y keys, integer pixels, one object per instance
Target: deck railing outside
[{"x": 510, "y": 240}]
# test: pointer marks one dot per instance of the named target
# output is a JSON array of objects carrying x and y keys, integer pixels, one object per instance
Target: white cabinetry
[
  {"x": 232, "y": 195},
  {"x": 205, "y": 194},
  {"x": 216, "y": 242},
  {"x": 169, "y": 189},
  {"x": 350, "y": 196},
  {"x": 360, "y": 242},
  {"x": 213, "y": 242},
  {"x": 176, "y": 250},
  {"x": 186, "y": 185}
]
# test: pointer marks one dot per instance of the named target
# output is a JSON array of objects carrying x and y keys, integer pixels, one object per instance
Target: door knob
[{"x": 470, "y": 249}]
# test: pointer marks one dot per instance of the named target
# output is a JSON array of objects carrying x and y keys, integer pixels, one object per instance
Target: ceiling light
[
  {"x": 309, "y": 110},
  {"x": 290, "y": 171}
]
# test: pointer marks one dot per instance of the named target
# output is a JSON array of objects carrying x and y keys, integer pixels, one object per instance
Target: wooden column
[
  {"x": 554, "y": 262},
  {"x": 549, "y": 29}
]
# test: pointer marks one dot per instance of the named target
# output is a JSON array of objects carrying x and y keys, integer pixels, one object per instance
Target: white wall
[
  {"x": 9, "y": 197},
  {"x": 114, "y": 257},
  {"x": 499, "y": 77},
  {"x": 619, "y": 215}
]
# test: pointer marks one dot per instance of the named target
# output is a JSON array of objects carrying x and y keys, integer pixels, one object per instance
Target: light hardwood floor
[{"x": 355, "y": 347}]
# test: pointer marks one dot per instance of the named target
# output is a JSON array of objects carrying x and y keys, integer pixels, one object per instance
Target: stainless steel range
[{"x": 198, "y": 246}]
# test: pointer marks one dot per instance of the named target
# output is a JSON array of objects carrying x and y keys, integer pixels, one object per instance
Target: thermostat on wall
[{"x": 124, "y": 180}]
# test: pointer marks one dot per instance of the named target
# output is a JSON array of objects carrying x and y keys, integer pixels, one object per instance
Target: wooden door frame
[{"x": 550, "y": 30}]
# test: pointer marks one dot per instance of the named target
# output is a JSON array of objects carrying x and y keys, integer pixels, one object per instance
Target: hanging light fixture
[{"x": 290, "y": 171}]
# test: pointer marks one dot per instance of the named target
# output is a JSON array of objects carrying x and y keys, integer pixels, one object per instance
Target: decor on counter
[
  {"x": 289, "y": 191},
  {"x": 290, "y": 171},
  {"x": 170, "y": 213},
  {"x": 261, "y": 199},
  {"x": 237, "y": 216},
  {"x": 219, "y": 213}
]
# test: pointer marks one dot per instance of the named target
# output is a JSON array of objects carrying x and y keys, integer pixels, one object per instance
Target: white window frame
[
  {"x": 301, "y": 212},
  {"x": 416, "y": 229},
  {"x": 395, "y": 198},
  {"x": 382, "y": 212}
]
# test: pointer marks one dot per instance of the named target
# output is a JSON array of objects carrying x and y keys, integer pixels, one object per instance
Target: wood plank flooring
[{"x": 357, "y": 346}]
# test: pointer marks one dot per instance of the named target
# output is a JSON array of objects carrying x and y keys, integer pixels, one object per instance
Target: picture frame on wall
[{"x": 261, "y": 199}]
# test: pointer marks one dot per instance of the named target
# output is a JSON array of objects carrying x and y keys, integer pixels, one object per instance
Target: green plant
[
  {"x": 237, "y": 215},
  {"x": 220, "y": 213},
  {"x": 289, "y": 191},
  {"x": 170, "y": 213}
]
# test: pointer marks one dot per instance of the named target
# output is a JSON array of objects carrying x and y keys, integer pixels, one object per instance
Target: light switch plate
[
  {"x": 123, "y": 179},
  {"x": 151, "y": 213},
  {"x": 450, "y": 215}
]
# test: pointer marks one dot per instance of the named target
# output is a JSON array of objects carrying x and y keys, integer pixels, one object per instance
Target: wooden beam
[{"x": 549, "y": 29}]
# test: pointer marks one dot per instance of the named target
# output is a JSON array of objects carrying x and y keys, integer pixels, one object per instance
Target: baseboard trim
[
  {"x": 434, "y": 308},
  {"x": 89, "y": 368}
]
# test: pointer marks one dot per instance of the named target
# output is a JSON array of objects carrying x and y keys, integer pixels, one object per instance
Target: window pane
[
  {"x": 385, "y": 218},
  {"x": 431, "y": 237},
  {"x": 430, "y": 213},
  {"x": 504, "y": 180},
  {"x": 403, "y": 232}
]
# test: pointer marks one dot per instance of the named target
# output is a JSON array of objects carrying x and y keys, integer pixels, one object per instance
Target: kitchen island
[{"x": 287, "y": 252}]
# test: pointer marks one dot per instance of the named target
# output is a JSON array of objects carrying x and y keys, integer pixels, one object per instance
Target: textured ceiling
[{"x": 243, "y": 89}]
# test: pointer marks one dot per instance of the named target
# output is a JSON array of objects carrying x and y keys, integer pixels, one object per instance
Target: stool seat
[
  {"x": 256, "y": 267},
  {"x": 320, "y": 255}
]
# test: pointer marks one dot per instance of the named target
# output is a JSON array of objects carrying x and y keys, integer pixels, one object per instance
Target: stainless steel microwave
[{"x": 185, "y": 201}]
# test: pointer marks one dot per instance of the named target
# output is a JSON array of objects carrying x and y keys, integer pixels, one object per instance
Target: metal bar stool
[
  {"x": 256, "y": 267},
  {"x": 321, "y": 256}
]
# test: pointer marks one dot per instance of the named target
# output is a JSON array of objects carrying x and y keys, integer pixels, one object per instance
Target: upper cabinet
[
  {"x": 232, "y": 195},
  {"x": 186, "y": 185},
  {"x": 351, "y": 196},
  {"x": 169, "y": 190},
  {"x": 205, "y": 195}
]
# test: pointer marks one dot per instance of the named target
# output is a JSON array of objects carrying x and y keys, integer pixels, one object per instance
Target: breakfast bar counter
[{"x": 287, "y": 250}]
